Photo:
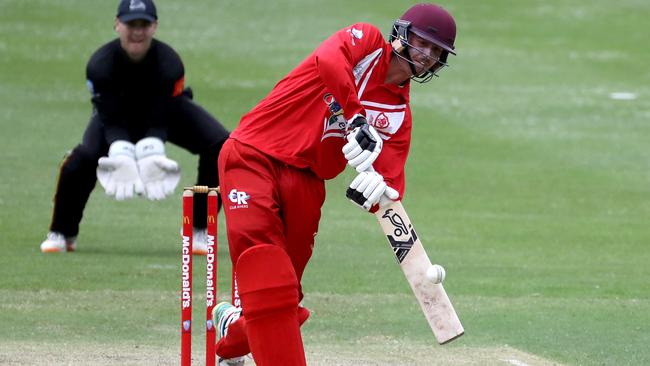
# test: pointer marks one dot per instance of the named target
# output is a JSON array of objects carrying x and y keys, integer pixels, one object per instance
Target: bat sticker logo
[{"x": 401, "y": 246}]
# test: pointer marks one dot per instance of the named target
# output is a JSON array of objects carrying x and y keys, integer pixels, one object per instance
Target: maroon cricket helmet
[{"x": 432, "y": 23}]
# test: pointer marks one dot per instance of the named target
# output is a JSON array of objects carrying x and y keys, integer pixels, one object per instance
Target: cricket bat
[{"x": 413, "y": 260}]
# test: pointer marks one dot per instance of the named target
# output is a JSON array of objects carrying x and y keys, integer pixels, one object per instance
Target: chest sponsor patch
[{"x": 387, "y": 119}]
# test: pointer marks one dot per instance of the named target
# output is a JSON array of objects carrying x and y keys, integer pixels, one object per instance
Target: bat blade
[{"x": 414, "y": 261}]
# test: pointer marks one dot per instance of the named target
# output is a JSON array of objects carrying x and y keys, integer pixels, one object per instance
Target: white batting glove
[
  {"x": 160, "y": 174},
  {"x": 369, "y": 189},
  {"x": 118, "y": 172},
  {"x": 363, "y": 146}
]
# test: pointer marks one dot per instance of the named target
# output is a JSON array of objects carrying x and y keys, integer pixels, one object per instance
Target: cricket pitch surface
[{"x": 373, "y": 352}]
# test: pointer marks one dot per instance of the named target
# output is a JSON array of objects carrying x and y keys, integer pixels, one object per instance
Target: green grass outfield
[{"x": 526, "y": 181}]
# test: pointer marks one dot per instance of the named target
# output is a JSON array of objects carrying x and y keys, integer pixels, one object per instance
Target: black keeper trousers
[{"x": 191, "y": 128}]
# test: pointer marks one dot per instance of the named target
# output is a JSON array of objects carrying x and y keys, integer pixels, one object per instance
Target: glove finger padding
[
  {"x": 357, "y": 180},
  {"x": 353, "y": 194},
  {"x": 128, "y": 190},
  {"x": 352, "y": 150},
  {"x": 139, "y": 187},
  {"x": 110, "y": 187},
  {"x": 154, "y": 191},
  {"x": 118, "y": 173},
  {"x": 359, "y": 159},
  {"x": 371, "y": 184},
  {"x": 375, "y": 194},
  {"x": 119, "y": 191},
  {"x": 367, "y": 163},
  {"x": 173, "y": 176},
  {"x": 160, "y": 175},
  {"x": 160, "y": 191},
  {"x": 365, "y": 182},
  {"x": 366, "y": 189}
]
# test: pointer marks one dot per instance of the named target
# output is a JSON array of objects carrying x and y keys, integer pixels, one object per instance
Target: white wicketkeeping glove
[
  {"x": 159, "y": 174},
  {"x": 118, "y": 172},
  {"x": 369, "y": 189},
  {"x": 363, "y": 146}
]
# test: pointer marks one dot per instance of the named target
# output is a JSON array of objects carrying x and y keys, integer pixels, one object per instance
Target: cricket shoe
[
  {"x": 199, "y": 241},
  {"x": 58, "y": 243},
  {"x": 238, "y": 361},
  {"x": 223, "y": 315}
]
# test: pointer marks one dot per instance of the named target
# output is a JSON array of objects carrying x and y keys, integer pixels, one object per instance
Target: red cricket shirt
[{"x": 295, "y": 125}]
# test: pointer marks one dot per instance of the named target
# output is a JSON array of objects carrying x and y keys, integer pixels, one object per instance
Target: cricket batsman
[{"x": 346, "y": 103}]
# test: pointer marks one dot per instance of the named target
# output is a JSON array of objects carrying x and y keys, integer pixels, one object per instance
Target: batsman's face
[
  {"x": 135, "y": 37},
  {"x": 424, "y": 54}
]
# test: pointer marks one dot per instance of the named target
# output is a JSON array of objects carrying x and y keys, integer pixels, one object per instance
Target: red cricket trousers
[{"x": 268, "y": 202}]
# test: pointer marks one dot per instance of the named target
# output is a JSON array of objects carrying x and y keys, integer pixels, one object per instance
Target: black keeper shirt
[{"x": 134, "y": 100}]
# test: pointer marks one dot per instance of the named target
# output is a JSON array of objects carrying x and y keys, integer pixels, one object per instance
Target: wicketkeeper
[
  {"x": 139, "y": 103},
  {"x": 347, "y": 102}
]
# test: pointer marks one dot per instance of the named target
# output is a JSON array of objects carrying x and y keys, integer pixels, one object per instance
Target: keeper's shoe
[
  {"x": 58, "y": 243},
  {"x": 223, "y": 315},
  {"x": 199, "y": 241}
]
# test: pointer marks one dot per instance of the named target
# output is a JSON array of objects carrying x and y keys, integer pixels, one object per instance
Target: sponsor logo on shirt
[
  {"x": 380, "y": 121},
  {"x": 335, "y": 124},
  {"x": 386, "y": 118},
  {"x": 355, "y": 34},
  {"x": 239, "y": 198}
]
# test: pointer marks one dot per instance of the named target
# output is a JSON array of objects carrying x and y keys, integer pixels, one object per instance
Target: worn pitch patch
[
  {"x": 374, "y": 351},
  {"x": 391, "y": 353}
]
